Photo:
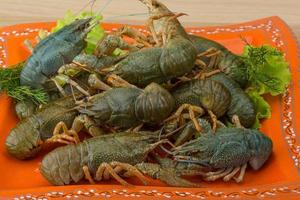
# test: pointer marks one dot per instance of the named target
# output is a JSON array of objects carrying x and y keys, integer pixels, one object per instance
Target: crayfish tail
[
  {"x": 65, "y": 164},
  {"x": 23, "y": 142}
]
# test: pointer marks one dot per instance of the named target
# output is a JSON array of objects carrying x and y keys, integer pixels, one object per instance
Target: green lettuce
[
  {"x": 268, "y": 73},
  {"x": 93, "y": 36},
  {"x": 263, "y": 109}
]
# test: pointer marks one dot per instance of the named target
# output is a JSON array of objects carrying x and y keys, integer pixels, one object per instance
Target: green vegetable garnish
[
  {"x": 92, "y": 37},
  {"x": 263, "y": 109},
  {"x": 268, "y": 73},
  {"x": 10, "y": 83}
]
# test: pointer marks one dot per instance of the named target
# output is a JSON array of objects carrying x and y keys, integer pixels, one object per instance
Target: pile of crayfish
[{"x": 173, "y": 105}]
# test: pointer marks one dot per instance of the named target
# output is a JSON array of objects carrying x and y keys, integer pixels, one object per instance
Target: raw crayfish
[
  {"x": 226, "y": 152},
  {"x": 212, "y": 155},
  {"x": 173, "y": 56},
  {"x": 102, "y": 156},
  {"x": 54, "y": 51}
]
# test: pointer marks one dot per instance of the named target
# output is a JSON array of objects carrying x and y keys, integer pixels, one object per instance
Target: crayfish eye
[
  {"x": 155, "y": 4},
  {"x": 84, "y": 26}
]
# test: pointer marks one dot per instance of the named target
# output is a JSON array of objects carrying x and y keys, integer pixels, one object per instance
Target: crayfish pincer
[
  {"x": 54, "y": 51},
  {"x": 226, "y": 152},
  {"x": 100, "y": 157}
]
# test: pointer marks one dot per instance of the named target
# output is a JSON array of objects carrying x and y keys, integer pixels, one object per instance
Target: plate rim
[{"x": 273, "y": 26}]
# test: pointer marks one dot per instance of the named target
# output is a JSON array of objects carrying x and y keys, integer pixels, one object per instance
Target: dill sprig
[
  {"x": 261, "y": 67},
  {"x": 10, "y": 83},
  {"x": 10, "y": 77}
]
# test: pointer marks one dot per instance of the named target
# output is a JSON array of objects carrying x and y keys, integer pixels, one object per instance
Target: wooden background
[{"x": 201, "y": 12}]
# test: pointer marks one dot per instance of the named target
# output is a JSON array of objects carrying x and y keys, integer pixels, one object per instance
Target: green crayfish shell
[{"x": 154, "y": 104}]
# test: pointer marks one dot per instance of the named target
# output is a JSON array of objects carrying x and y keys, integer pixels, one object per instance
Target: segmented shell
[
  {"x": 206, "y": 93},
  {"x": 154, "y": 104},
  {"x": 241, "y": 104}
]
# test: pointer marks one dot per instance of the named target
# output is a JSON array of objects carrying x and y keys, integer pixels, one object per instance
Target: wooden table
[{"x": 201, "y": 12}]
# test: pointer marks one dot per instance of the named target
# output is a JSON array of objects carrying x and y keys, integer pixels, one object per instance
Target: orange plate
[{"x": 278, "y": 178}]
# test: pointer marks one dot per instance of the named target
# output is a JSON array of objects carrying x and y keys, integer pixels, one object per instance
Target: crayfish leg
[
  {"x": 59, "y": 87},
  {"x": 61, "y": 79},
  {"x": 66, "y": 137},
  {"x": 192, "y": 110},
  {"x": 78, "y": 87},
  {"x": 215, "y": 176},
  {"x": 107, "y": 167},
  {"x": 232, "y": 174},
  {"x": 214, "y": 120},
  {"x": 227, "y": 174},
  {"x": 87, "y": 174},
  {"x": 215, "y": 172},
  {"x": 241, "y": 175},
  {"x": 200, "y": 63},
  {"x": 130, "y": 171},
  {"x": 204, "y": 75},
  {"x": 215, "y": 56}
]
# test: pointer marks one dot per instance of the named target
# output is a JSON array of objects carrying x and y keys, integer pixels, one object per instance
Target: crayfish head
[
  {"x": 155, "y": 7},
  {"x": 261, "y": 146},
  {"x": 75, "y": 33},
  {"x": 79, "y": 27}
]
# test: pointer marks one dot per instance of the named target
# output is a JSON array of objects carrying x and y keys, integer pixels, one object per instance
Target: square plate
[{"x": 278, "y": 178}]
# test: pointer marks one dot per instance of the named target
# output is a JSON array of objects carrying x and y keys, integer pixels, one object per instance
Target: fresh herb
[
  {"x": 267, "y": 70},
  {"x": 10, "y": 77},
  {"x": 268, "y": 73},
  {"x": 10, "y": 83}
]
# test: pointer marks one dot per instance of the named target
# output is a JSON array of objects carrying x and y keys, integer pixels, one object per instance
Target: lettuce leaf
[
  {"x": 268, "y": 73},
  {"x": 93, "y": 36},
  {"x": 263, "y": 109}
]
